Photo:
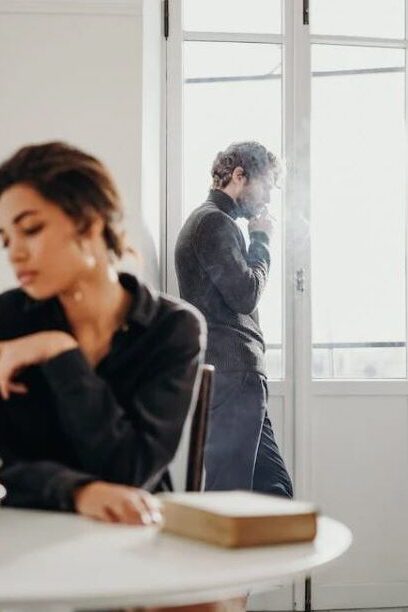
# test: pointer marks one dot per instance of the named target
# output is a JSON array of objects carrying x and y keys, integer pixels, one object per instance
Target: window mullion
[
  {"x": 174, "y": 140},
  {"x": 233, "y": 37},
  {"x": 358, "y": 41},
  {"x": 406, "y": 189},
  {"x": 299, "y": 244}
]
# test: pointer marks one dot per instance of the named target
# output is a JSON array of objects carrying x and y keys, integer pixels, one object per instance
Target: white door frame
[{"x": 294, "y": 112}]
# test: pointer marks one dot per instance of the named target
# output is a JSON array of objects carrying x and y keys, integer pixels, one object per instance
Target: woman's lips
[{"x": 26, "y": 278}]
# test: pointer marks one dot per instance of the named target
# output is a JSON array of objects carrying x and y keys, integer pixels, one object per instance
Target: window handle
[
  {"x": 300, "y": 280},
  {"x": 305, "y": 12}
]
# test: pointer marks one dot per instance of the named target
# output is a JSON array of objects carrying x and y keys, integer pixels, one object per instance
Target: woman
[{"x": 96, "y": 371}]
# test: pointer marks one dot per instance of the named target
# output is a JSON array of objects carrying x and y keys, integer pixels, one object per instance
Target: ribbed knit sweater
[{"x": 224, "y": 280}]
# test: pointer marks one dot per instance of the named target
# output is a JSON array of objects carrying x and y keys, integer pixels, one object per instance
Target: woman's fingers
[
  {"x": 109, "y": 516},
  {"x": 4, "y": 389},
  {"x": 151, "y": 505},
  {"x": 7, "y": 372},
  {"x": 8, "y": 386},
  {"x": 135, "y": 508},
  {"x": 116, "y": 503},
  {"x": 133, "y": 512},
  {"x": 19, "y": 388}
]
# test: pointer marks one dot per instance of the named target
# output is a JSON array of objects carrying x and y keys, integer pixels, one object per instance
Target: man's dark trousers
[{"x": 241, "y": 452}]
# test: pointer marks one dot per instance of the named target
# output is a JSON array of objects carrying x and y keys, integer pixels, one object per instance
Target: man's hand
[
  {"x": 115, "y": 503},
  {"x": 263, "y": 223},
  {"x": 18, "y": 354}
]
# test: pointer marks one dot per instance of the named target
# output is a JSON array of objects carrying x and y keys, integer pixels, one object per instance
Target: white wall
[
  {"x": 359, "y": 473},
  {"x": 90, "y": 72},
  {"x": 74, "y": 70},
  {"x": 153, "y": 157}
]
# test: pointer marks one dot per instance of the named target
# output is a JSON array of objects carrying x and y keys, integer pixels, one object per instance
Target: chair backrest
[{"x": 195, "y": 462}]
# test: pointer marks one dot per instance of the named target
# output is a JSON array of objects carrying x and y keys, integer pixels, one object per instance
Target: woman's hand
[
  {"x": 115, "y": 503},
  {"x": 15, "y": 355}
]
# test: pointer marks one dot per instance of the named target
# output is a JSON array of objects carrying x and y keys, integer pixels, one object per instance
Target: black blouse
[{"x": 120, "y": 422}]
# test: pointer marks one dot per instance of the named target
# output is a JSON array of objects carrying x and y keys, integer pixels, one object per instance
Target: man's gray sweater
[{"x": 224, "y": 280}]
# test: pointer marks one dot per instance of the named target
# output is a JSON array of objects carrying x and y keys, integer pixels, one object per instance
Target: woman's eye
[
  {"x": 27, "y": 231},
  {"x": 30, "y": 231}
]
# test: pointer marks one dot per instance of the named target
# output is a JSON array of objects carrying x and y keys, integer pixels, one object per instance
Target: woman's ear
[{"x": 96, "y": 227}]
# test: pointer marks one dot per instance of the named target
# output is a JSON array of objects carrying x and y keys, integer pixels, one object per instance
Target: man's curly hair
[{"x": 251, "y": 156}]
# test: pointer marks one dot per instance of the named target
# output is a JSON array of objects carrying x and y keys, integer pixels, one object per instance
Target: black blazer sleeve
[
  {"x": 38, "y": 484},
  {"x": 29, "y": 484},
  {"x": 135, "y": 446}
]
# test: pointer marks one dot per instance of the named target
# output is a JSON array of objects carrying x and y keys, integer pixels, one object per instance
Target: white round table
[{"x": 55, "y": 561}]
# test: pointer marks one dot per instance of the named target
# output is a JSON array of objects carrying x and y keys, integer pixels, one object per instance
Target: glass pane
[
  {"x": 224, "y": 84},
  {"x": 358, "y": 212},
  {"x": 263, "y": 16},
  {"x": 376, "y": 18}
]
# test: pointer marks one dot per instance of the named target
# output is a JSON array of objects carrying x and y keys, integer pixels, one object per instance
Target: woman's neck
[{"x": 96, "y": 306}]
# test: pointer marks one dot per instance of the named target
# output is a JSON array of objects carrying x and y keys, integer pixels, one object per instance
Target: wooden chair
[
  {"x": 194, "y": 481},
  {"x": 198, "y": 432}
]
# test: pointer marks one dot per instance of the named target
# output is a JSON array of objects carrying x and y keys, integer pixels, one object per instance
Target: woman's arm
[
  {"x": 32, "y": 484},
  {"x": 19, "y": 353},
  {"x": 132, "y": 447},
  {"x": 38, "y": 484},
  {"x": 51, "y": 486}
]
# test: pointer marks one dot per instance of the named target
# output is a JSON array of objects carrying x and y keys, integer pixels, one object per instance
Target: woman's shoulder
[
  {"x": 154, "y": 308},
  {"x": 12, "y": 296},
  {"x": 12, "y": 302},
  {"x": 184, "y": 324},
  {"x": 183, "y": 311}
]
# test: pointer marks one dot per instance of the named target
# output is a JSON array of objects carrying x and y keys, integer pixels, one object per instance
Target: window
[
  {"x": 232, "y": 16},
  {"x": 367, "y": 18},
  {"x": 358, "y": 204},
  {"x": 232, "y": 92},
  {"x": 234, "y": 75}
]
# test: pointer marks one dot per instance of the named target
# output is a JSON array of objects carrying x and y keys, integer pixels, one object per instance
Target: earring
[
  {"x": 78, "y": 296},
  {"x": 112, "y": 274},
  {"x": 90, "y": 260},
  {"x": 89, "y": 257}
]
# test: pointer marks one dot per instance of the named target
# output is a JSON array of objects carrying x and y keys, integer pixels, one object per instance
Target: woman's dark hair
[
  {"x": 252, "y": 157},
  {"x": 75, "y": 181}
]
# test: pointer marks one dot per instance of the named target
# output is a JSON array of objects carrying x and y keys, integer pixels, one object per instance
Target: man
[{"x": 225, "y": 280}]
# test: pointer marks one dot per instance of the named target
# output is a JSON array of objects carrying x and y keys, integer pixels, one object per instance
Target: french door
[{"x": 324, "y": 86}]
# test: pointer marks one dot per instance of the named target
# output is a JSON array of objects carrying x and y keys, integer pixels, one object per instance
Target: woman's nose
[{"x": 16, "y": 252}]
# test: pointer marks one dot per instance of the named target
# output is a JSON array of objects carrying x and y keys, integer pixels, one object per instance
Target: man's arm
[{"x": 240, "y": 279}]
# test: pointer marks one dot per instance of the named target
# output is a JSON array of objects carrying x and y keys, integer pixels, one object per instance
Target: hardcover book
[{"x": 238, "y": 518}]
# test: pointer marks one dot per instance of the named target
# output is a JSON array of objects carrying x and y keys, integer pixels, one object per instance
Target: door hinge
[
  {"x": 166, "y": 18},
  {"x": 308, "y": 594},
  {"x": 300, "y": 280},
  {"x": 305, "y": 12}
]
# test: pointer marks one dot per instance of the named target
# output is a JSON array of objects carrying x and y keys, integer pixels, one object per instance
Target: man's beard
[{"x": 243, "y": 208}]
